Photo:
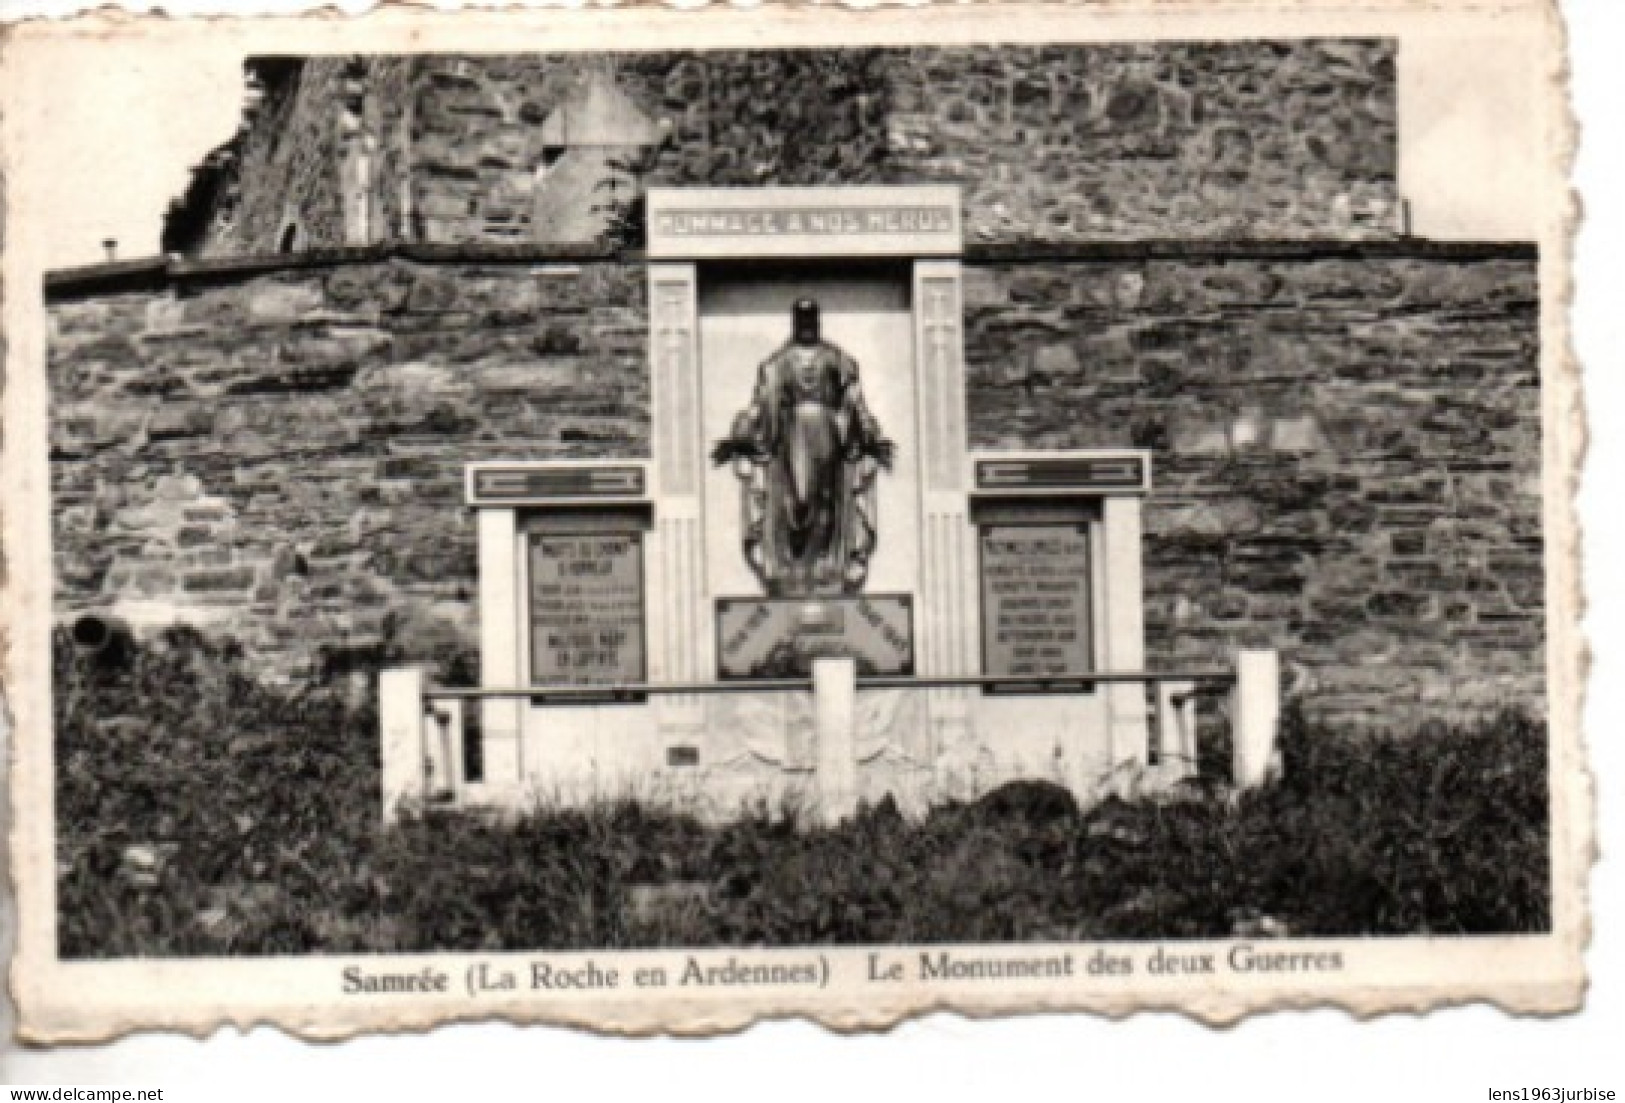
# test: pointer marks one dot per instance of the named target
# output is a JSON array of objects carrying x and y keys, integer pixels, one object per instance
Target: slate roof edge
[{"x": 157, "y": 272}]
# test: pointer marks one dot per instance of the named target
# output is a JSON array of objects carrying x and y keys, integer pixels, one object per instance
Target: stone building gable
[
  {"x": 593, "y": 146},
  {"x": 319, "y": 161},
  {"x": 1219, "y": 141},
  {"x": 294, "y": 139}
]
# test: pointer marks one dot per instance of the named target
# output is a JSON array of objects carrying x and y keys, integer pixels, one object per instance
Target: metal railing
[
  {"x": 613, "y": 691},
  {"x": 409, "y": 705}
]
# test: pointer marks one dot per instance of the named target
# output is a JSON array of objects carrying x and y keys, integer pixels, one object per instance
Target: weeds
[{"x": 201, "y": 813}]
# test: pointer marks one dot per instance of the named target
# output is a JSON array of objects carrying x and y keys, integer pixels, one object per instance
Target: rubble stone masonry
[
  {"x": 1346, "y": 442},
  {"x": 1346, "y": 455},
  {"x": 280, "y": 456}
]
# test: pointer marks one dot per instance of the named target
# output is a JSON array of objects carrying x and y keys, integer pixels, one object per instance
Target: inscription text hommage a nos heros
[{"x": 768, "y": 222}]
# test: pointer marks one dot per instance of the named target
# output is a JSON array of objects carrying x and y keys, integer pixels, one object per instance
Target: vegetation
[{"x": 201, "y": 812}]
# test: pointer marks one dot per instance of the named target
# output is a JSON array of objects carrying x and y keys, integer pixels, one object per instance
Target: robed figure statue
[{"x": 807, "y": 451}]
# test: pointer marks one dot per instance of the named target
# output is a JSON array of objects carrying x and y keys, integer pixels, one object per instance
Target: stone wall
[
  {"x": 1346, "y": 443},
  {"x": 1346, "y": 455},
  {"x": 1154, "y": 140},
  {"x": 1054, "y": 143},
  {"x": 1239, "y": 140},
  {"x": 280, "y": 456}
]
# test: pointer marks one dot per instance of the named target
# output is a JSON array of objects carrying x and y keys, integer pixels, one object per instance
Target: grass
[{"x": 203, "y": 813}]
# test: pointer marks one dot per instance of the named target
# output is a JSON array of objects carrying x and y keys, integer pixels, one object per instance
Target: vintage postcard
[{"x": 652, "y": 519}]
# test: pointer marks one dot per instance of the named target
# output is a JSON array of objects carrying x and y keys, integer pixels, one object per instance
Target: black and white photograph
[{"x": 886, "y": 521}]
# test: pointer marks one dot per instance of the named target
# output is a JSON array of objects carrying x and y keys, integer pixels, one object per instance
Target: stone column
[
  {"x": 358, "y": 148},
  {"x": 1124, "y": 600},
  {"x": 443, "y": 743},
  {"x": 1255, "y": 717},
  {"x": 679, "y": 624},
  {"x": 835, "y": 700},
  {"x": 400, "y": 722},
  {"x": 1176, "y": 730},
  {"x": 947, "y": 602},
  {"x": 502, "y": 609}
]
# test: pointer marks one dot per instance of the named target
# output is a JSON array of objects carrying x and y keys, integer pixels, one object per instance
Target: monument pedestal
[
  {"x": 641, "y": 574},
  {"x": 835, "y": 694}
]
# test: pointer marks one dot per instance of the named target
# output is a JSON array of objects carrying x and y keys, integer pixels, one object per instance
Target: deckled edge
[{"x": 1565, "y": 444}]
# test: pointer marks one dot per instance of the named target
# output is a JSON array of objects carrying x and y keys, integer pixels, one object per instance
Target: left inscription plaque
[{"x": 586, "y": 608}]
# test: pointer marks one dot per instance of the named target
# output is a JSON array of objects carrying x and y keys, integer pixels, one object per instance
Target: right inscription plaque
[{"x": 1035, "y": 601}]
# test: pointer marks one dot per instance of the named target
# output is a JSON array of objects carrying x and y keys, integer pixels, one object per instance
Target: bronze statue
[{"x": 807, "y": 451}]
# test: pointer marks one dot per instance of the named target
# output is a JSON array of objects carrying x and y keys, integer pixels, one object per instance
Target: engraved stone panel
[
  {"x": 586, "y": 608},
  {"x": 1035, "y": 600}
]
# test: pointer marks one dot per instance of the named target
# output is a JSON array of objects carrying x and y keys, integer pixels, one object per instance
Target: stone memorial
[
  {"x": 485, "y": 369},
  {"x": 812, "y": 516},
  {"x": 1035, "y": 600}
]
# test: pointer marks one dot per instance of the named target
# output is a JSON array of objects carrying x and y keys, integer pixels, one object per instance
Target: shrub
[{"x": 203, "y": 812}]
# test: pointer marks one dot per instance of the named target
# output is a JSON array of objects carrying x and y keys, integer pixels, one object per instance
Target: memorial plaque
[
  {"x": 518, "y": 484},
  {"x": 586, "y": 608},
  {"x": 1035, "y": 600},
  {"x": 780, "y": 637}
]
